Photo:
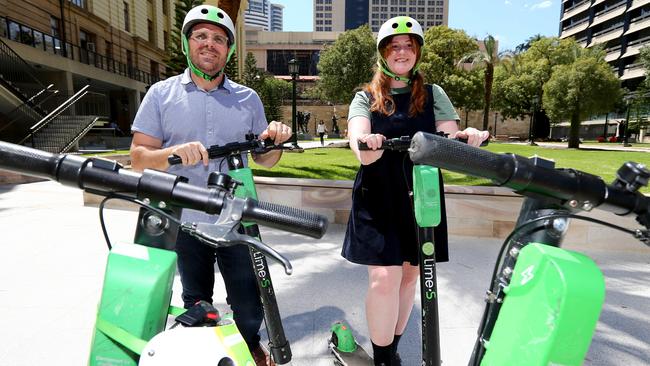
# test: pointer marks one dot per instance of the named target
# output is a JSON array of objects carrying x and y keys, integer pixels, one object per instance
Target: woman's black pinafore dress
[{"x": 382, "y": 229}]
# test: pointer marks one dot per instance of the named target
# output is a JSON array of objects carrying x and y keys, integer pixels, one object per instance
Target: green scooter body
[
  {"x": 550, "y": 310},
  {"x": 135, "y": 298}
]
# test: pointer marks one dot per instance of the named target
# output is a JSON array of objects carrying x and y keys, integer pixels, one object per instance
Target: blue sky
[{"x": 510, "y": 21}]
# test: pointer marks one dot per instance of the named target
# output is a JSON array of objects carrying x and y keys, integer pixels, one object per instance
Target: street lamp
[
  {"x": 496, "y": 117},
  {"x": 293, "y": 71},
  {"x": 531, "y": 137}
]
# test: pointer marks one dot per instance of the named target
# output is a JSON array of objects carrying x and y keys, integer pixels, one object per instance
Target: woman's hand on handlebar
[
  {"x": 276, "y": 131},
  {"x": 374, "y": 142},
  {"x": 473, "y": 136},
  {"x": 192, "y": 153}
]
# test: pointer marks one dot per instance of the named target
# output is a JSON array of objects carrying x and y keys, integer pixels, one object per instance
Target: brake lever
[{"x": 225, "y": 235}]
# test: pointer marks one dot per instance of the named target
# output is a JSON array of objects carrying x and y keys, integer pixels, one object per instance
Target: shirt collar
[{"x": 226, "y": 84}]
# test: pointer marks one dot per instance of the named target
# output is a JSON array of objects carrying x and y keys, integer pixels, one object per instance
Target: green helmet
[
  {"x": 394, "y": 27},
  {"x": 207, "y": 14}
]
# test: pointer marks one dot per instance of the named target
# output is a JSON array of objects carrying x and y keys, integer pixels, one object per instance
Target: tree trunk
[
  {"x": 489, "y": 76},
  {"x": 574, "y": 131}
]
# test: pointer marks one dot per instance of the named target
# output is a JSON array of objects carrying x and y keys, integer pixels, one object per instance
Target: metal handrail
[
  {"x": 52, "y": 115},
  {"x": 23, "y": 69}
]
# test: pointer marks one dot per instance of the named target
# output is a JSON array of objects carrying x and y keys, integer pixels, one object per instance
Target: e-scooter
[
  {"x": 137, "y": 287},
  {"x": 427, "y": 206},
  {"x": 543, "y": 302}
]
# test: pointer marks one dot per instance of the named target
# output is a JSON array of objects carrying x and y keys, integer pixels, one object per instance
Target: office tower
[
  {"x": 341, "y": 15},
  {"x": 620, "y": 27}
]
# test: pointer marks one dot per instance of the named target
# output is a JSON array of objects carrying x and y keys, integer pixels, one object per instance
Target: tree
[
  {"x": 519, "y": 80},
  {"x": 580, "y": 89},
  {"x": 252, "y": 77},
  {"x": 644, "y": 59},
  {"x": 489, "y": 58},
  {"x": 443, "y": 48},
  {"x": 175, "y": 59},
  {"x": 347, "y": 64},
  {"x": 526, "y": 45},
  {"x": 232, "y": 69},
  {"x": 465, "y": 90},
  {"x": 272, "y": 93}
]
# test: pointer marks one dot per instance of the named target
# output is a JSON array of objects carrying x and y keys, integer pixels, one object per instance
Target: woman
[{"x": 381, "y": 231}]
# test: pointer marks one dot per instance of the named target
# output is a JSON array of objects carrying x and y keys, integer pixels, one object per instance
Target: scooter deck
[{"x": 358, "y": 357}]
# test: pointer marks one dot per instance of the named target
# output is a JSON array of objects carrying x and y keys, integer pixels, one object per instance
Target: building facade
[
  {"x": 264, "y": 15},
  {"x": 621, "y": 27},
  {"x": 277, "y": 19},
  {"x": 342, "y": 15},
  {"x": 117, "y": 47}
]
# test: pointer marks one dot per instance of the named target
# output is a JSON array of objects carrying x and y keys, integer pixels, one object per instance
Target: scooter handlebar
[{"x": 107, "y": 176}]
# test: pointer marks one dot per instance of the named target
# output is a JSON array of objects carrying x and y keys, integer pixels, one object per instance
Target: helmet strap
[
  {"x": 196, "y": 70},
  {"x": 383, "y": 66}
]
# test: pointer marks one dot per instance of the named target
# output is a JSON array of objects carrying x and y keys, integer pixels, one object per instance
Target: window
[
  {"x": 165, "y": 7},
  {"x": 150, "y": 31},
  {"x": 108, "y": 47},
  {"x": 79, "y": 3},
  {"x": 165, "y": 40},
  {"x": 55, "y": 26},
  {"x": 153, "y": 68},
  {"x": 3, "y": 27},
  {"x": 127, "y": 17}
]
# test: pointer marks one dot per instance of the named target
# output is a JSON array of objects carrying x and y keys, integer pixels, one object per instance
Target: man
[{"x": 184, "y": 114}]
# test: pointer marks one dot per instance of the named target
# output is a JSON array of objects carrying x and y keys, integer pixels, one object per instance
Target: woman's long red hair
[{"x": 379, "y": 87}]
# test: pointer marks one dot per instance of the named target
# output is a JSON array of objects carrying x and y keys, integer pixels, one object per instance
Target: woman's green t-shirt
[{"x": 443, "y": 109}]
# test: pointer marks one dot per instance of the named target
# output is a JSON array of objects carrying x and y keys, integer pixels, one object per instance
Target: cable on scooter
[{"x": 132, "y": 200}]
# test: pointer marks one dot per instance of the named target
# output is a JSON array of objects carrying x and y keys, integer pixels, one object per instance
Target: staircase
[{"x": 34, "y": 114}]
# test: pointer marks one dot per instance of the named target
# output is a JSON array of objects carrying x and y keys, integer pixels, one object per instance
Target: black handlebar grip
[
  {"x": 174, "y": 159},
  {"x": 25, "y": 160},
  {"x": 285, "y": 218},
  {"x": 431, "y": 149}
]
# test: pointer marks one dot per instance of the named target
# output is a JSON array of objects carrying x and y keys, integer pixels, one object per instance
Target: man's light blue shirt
[{"x": 176, "y": 111}]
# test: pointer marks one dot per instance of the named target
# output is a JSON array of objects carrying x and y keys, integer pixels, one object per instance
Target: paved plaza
[{"x": 53, "y": 255}]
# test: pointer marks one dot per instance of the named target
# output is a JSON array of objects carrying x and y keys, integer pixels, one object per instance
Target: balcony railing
[
  {"x": 609, "y": 8},
  {"x": 575, "y": 24},
  {"x": 18, "y": 32},
  {"x": 609, "y": 29}
]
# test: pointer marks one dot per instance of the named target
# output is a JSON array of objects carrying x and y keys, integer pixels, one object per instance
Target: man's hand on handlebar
[
  {"x": 191, "y": 153},
  {"x": 276, "y": 131}
]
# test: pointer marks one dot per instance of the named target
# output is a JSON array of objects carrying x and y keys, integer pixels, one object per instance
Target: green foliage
[
  {"x": 347, "y": 64},
  {"x": 443, "y": 48},
  {"x": 518, "y": 80},
  {"x": 272, "y": 93},
  {"x": 252, "y": 77},
  {"x": 580, "y": 89},
  {"x": 489, "y": 58},
  {"x": 175, "y": 59},
  {"x": 231, "y": 69},
  {"x": 644, "y": 59}
]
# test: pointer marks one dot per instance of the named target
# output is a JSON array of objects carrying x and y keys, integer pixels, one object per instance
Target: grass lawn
[{"x": 340, "y": 164}]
